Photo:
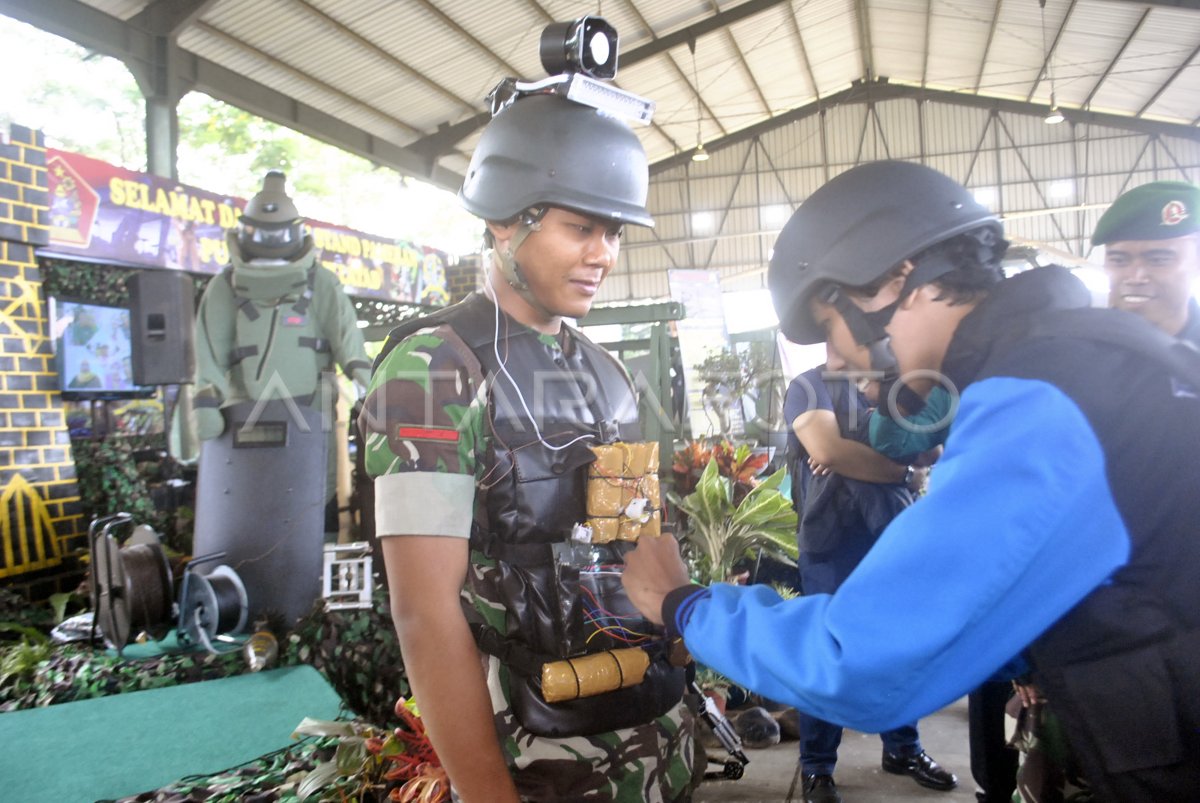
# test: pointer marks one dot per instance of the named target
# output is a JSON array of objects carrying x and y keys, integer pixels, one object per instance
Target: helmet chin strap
[
  {"x": 529, "y": 221},
  {"x": 869, "y": 329}
]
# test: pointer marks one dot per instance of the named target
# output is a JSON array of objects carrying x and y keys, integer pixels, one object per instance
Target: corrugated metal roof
[
  {"x": 1050, "y": 183},
  {"x": 122, "y": 9},
  {"x": 402, "y": 71}
]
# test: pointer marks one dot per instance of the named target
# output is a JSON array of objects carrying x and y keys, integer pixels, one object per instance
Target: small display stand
[{"x": 347, "y": 580}]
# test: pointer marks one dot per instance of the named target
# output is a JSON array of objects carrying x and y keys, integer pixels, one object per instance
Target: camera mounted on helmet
[{"x": 562, "y": 142}]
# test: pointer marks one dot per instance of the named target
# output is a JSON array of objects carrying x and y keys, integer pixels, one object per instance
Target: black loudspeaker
[{"x": 164, "y": 317}]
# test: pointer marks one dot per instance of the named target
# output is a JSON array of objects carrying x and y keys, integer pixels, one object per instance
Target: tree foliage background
[{"x": 91, "y": 104}]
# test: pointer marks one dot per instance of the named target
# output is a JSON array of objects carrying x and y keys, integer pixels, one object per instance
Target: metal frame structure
[
  {"x": 403, "y": 84},
  {"x": 655, "y": 391},
  {"x": 1049, "y": 183}
]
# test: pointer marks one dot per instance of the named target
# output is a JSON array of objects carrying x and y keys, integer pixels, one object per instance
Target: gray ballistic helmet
[
  {"x": 270, "y": 226},
  {"x": 860, "y": 225},
  {"x": 546, "y": 150}
]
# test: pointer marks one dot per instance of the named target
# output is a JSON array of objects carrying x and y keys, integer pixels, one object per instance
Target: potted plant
[
  {"x": 729, "y": 515},
  {"x": 722, "y": 528}
]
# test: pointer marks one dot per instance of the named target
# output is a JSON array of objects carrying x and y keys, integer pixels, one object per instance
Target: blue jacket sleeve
[{"x": 1018, "y": 526}]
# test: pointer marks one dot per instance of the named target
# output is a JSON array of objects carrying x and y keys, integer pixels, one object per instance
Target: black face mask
[
  {"x": 869, "y": 330},
  {"x": 880, "y": 318}
]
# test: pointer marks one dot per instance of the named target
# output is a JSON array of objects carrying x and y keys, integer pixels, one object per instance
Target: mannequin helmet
[
  {"x": 860, "y": 225},
  {"x": 270, "y": 227},
  {"x": 547, "y": 150}
]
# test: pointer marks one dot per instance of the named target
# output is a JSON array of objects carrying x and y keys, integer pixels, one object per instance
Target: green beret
[{"x": 1159, "y": 210}]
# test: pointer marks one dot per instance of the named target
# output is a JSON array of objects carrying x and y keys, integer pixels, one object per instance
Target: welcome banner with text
[{"x": 103, "y": 213}]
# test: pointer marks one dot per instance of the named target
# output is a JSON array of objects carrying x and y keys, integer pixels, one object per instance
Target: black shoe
[
  {"x": 820, "y": 789},
  {"x": 923, "y": 769}
]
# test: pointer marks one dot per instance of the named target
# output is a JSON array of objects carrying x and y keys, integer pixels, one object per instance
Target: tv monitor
[{"x": 93, "y": 351}]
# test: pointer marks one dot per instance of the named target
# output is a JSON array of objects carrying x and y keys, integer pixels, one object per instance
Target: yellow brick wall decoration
[{"x": 40, "y": 516}]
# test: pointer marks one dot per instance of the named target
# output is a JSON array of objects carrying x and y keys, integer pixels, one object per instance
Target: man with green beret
[{"x": 1151, "y": 239}]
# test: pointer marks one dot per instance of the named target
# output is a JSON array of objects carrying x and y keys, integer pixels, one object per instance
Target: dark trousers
[
  {"x": 819, "y": 741},
  {"x": 993, "y": 762},
  {"x": 823, "y": 573}
]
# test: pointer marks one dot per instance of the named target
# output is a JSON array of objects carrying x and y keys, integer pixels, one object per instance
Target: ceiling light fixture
[
  {"x": 699, "y": 155},
  {"x": 1055, "y": 115}
]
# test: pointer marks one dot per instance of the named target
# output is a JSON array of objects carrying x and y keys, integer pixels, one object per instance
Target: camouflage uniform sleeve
[{"x": 422, "y": 426}]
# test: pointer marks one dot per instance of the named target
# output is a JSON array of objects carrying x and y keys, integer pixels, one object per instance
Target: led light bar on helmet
[{"x": 580, "y": 89}]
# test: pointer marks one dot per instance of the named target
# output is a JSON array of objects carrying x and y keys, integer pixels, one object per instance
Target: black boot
[
  {"x": 923, "y": 769},
  {"x": 820, "y": 789}
]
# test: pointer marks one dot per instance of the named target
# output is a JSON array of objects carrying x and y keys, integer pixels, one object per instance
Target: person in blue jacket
[{"x": 1060, "y": 523}]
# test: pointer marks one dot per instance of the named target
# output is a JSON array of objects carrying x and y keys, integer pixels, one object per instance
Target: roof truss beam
[
  {"x": 169, "y": 17},
  {"x": 808, "y": 68},
  {"x": 367, "y": 44},
  {"x": 1178, "y": 70},
  {"x": 1112, "y": 64},
  {"x": 762, "y": 98},
  {"x": 1050, "y": 55},
  {"x": 708, "y": 25},
  {"x": 928, "y": 39},
  {"x": 881, "y": 90},
  {"x": 702, "y": 107},
  {"x": 987, "y": 48},
  {"x": 864, "y": 40}
]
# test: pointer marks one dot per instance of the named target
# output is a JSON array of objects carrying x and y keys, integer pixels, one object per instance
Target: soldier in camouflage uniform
[{"x": 477, "y": 464}]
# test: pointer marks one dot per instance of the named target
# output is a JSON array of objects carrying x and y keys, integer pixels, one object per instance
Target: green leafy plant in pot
[{"x": 720, "y": 532}]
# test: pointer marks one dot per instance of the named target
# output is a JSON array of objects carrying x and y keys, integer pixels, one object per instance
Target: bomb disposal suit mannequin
[
  {"x": 479, "y": 425},
  {"x": 274, "y": 324},
  {"x": 1060, "y": 523}
]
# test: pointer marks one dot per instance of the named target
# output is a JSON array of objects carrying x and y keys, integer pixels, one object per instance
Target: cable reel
[
  {"x": 211, "y": 605},
  {"x": 132, "y": 590}
]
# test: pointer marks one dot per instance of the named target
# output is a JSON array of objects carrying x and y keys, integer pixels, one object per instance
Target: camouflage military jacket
[{"x": 426, "y": 425}]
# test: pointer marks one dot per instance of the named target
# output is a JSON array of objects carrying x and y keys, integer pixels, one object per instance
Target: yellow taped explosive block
[
  {"x": 593, "y": 674},
  {"x": 621, "y": 474}
]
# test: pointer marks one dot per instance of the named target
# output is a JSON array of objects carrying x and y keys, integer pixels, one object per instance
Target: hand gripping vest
[{"x": 530, "y": 498}]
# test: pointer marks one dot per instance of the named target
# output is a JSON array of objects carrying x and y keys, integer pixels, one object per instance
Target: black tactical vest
[
  {"x": 534, "y": 489},
  {"x": 1122, "y": 669},
  {"x": 545, "y": 407}
]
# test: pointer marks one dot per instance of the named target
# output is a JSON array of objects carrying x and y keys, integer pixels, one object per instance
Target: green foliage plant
[
  {"x": 720, "y": 532},
  {"x": 20, "y": 660},
  {"x": 742, "y": 371}
]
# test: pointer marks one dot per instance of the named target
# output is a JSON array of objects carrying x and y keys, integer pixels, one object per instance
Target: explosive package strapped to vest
[
  {"x": 593, "y": 674},
  {"x": 623, "y": 496}
]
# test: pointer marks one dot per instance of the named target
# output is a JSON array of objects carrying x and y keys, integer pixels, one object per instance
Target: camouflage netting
[
  {"x": 355, "y": 650},
  {"x": 264, "y": 780},
  {"x": 358, "y": 653}
]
